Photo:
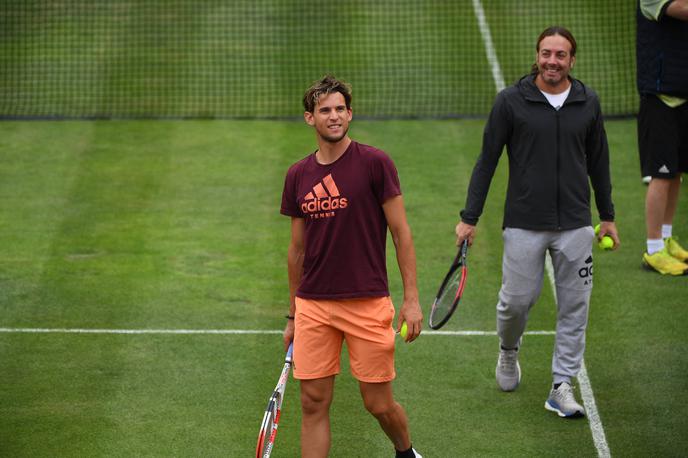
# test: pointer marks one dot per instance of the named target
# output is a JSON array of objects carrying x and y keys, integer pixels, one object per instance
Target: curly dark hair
[{"x": 326, "y": 85}]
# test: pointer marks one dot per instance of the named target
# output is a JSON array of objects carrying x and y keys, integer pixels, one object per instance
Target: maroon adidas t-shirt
[{"x": 346, "y": 229}]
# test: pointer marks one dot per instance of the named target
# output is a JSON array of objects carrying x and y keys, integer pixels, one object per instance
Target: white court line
[
  {"x": 136, "y": 331},
  {"x": 598, "y": 436},
  {"x": 593, "y": 414},
  {"x": 489, "y": 46},
  {"x": 482, "y": 333},
  {"x": 220, "y": 331}
]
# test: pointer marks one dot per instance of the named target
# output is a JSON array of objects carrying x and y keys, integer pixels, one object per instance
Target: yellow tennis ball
[
  {"x": 597, "y": 229},
  {"x": 607, "y": 243},
  {"x": 404, "y": 330}
]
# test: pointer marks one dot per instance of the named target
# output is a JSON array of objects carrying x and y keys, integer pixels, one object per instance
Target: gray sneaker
[
  {"x": 508, "y": 371},
  {"x": 563, "y": 402}
]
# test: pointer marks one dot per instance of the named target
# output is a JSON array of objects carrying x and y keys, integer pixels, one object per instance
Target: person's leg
[
  {"x": 673, "y": 247},
  {"x": 672, "y": 200},
  {"x": 671, "y": 243},
  {"x": 369, "y": 335},
  {"x": 680, "y": 118},
  {"x": 657, "y": 142},
  {"x": 317, "y": 349},
  {"x": 660, "y": 205},
  {"x": 573, "y": 271},
  {"x": 663, "y": 137},
  {"x": 316, "y": 398},
  {"x": 571, "y": 255},
  {"x": 522, "y": 273},
  {"x": 379, "y": 401}
]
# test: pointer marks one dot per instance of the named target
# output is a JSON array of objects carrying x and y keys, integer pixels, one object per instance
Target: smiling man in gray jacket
[{"x": 551, "y": 125}]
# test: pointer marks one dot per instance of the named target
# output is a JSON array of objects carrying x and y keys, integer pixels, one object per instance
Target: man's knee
[
  {"x": 315, "y": 399},
  {"x": 379, "y": 407},
  {"x": 379, "y": 400},
  {"x": 516, "y": 303}
]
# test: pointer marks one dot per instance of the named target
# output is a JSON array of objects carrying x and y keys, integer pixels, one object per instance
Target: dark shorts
[{"x": 662, "y": 138}]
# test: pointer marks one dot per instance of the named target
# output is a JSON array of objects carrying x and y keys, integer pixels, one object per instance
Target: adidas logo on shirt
[
  {"x": 664, "y": 169},
  {"x": 323, "y": 200}
]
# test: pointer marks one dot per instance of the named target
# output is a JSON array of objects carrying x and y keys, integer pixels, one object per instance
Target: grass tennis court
[{"x": 175, "y": 225}]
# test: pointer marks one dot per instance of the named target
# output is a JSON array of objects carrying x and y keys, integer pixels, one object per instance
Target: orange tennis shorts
[{"x": 323, "y": 325}]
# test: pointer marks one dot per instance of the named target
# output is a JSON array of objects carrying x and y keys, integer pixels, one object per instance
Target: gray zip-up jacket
[{"x": 551, "y": 155}]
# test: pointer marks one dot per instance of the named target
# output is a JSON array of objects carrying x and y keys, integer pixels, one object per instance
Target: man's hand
[
  {"x": 410, "y": 313},
  {"x": 288, "y": 335},
  {"x": 609, "y": 228},
  {"x": 464, "y": 231}
]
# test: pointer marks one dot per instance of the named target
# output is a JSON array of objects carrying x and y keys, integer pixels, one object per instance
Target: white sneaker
[
  {"x": 508, "y": 371},
  {"x": 563, "y": 402},
  {"x": 418, "y": 455}
]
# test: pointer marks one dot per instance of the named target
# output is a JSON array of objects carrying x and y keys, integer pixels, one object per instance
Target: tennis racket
[
  {"x": 268, "y": 429},
  {"x": 450, "y": 292}
]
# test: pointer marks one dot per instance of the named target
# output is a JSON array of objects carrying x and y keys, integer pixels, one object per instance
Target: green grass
[{"x": 176, "y": 225}]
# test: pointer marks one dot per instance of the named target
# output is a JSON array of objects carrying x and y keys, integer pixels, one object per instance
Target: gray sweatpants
[{"x": 522, "y": 277}]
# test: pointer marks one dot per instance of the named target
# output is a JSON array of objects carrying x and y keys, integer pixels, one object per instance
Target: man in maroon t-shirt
[{"x": 341, "y": 200}]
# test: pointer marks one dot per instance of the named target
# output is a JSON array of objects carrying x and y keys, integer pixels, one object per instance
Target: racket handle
[
  {"x": 290, "y": 352},
  {"x": 464, "y": 248}
]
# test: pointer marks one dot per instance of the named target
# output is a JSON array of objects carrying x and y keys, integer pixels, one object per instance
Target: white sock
[
  {"x": 666, "y": 231},
  {"x": 654, "y": 245}
]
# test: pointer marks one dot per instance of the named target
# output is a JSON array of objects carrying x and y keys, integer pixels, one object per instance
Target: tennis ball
[
  {"x": 404, "y": 330},
  {"x": 597, "y": 229},
  {"x": 607, "y": 243}
]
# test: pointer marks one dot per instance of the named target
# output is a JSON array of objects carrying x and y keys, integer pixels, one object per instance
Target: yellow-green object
[
  {"x": 675, "y": 249},
  {"x": 664, "y": 263},
  {"x": 404, "y": 330},
  {"x": 607, "y": 243}
]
